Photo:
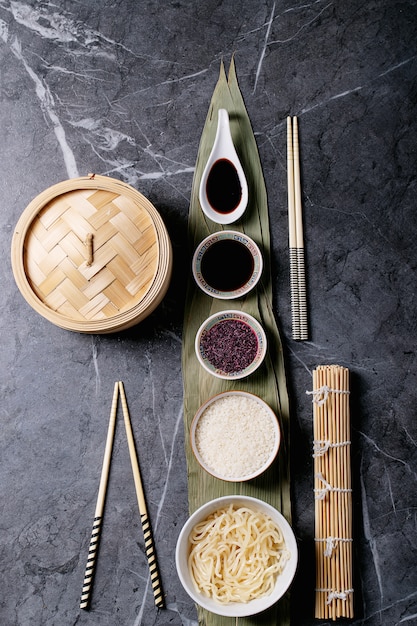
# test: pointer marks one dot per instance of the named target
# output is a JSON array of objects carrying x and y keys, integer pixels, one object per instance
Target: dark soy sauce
[
  {"x": 227, "y": 265},
  {"x": 223, "y": 187}
]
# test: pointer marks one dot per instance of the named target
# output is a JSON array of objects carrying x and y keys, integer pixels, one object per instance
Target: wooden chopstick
[
  {"x": 302, "y": 296},
  {"x": 146, "y": 527},
  {"x": 296, "y": 238},
  {"x": 292, "y": 234},
  {"x": 98, "y": 515}
]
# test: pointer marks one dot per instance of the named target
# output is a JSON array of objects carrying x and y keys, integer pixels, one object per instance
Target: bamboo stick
[
  {"x": 302, "y": 296},
  {"x": 292, "y": 235},
  {"x": 146, "y": 527},
  {"x": 98, "y": 515}
]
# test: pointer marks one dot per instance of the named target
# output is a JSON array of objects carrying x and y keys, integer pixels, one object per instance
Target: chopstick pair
[
  {"x": 98, "y": 515},
  {"x": 296, "y": 238}
]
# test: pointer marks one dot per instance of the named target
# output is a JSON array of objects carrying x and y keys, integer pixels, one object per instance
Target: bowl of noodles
[{"x": 236, "y": 556}]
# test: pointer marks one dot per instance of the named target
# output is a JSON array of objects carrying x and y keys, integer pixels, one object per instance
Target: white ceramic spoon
[{"x": 223, "y": 187}]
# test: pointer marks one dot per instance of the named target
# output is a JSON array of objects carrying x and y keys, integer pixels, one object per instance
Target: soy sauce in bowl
[{"x": 227, "y": 264}]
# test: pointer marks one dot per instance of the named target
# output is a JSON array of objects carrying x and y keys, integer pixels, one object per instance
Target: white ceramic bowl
[
  {"x": 227, "y": 264},
  {"x": 235, "y": 430},
  {"x": 236, "y": 609},
  {"x": 230, "y": 344}
]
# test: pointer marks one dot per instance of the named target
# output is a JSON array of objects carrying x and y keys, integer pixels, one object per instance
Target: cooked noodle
[{"x": 236, "y": 554}]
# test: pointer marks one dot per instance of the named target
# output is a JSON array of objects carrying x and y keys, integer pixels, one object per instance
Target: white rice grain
[{"x": 235, "y": 436}]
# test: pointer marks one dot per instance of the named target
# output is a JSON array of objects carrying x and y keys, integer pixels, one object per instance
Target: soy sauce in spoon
[
  {"x": 223, "y": 191},
  {"x": 223, "y": 187}
]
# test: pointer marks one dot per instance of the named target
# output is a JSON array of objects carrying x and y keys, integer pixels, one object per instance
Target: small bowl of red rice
[{"x": 230, "y": 344}]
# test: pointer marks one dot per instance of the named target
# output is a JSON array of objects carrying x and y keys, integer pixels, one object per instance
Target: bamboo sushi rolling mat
[
  {"x": 269, "y": 381},
  {"x": 333, "y": 493}
]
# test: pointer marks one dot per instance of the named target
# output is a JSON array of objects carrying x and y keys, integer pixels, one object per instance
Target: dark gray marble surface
[{"x": 122, "y": 88}]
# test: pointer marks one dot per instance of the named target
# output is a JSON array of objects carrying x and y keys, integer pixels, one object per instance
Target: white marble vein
[
  {"x": 355, "y": 89},
  {"x": 94, "y": 357},
  {"x": 369, "y": 537},
  {"x": 389, "y": 456},
  {"x": 58, "y": 26},
  {"x": 387, "y": 608},
  {"x": 4, "y": 31},
  {"x": 108, "y": 139},
  {"x": 103, "y": 138},
  {"x": 262, "y": 55},
  {"x": 46, "y": 100},
  {"x": 408, "y": 618},
  {"x": 303, "y": 26},
  {"x": 172, "y": 606}
]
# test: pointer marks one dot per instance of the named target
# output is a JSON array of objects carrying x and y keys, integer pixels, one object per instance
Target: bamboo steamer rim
[{"x": 124, "y": 202}]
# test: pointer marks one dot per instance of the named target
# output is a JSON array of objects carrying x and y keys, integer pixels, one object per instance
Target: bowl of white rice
[{"x": 235, "y": 436}]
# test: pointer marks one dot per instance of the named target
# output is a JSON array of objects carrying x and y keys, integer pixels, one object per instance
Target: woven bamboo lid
[{"x": 92, "y": 255}]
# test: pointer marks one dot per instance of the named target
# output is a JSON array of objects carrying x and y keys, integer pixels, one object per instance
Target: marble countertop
[{"x": 122, "y": 89}]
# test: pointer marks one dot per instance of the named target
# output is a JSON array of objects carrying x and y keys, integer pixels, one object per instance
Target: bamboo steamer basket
[{"x": 92, "y": 255}]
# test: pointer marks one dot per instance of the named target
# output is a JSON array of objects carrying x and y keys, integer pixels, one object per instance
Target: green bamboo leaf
[{"x": 269, "y": 381}]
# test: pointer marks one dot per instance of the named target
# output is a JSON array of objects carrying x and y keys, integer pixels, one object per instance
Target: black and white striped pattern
[
  {"x": 152, "y": 562},
  {"x": 298, "y": 295},
  {"x": 295, "y": 311},
  {"x": 91, "y": 561},
  {"x": 302, "y": 295}
]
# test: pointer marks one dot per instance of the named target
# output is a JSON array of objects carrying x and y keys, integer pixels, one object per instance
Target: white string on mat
[
  {"x": 321, "y": 493},
  {"x": 321, "y": 446},
  {"x": 321, "y": 394},
  {"x": 335, "y": 595},
  {"x": 331, "y": 543}
]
